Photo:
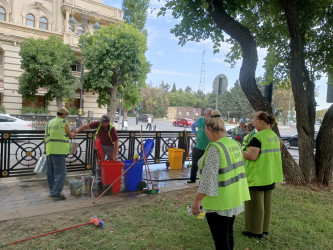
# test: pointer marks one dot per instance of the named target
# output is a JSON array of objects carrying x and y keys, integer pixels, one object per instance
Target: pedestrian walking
[
  {"x": 148, "y": 123},
  {"x": 107, "y": 134},
  {"x": 57, "y": 134},
  {"x": 201, "y": 144}
]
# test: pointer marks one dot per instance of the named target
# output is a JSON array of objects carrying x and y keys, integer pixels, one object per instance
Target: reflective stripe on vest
[
  {"x": 109, "y": 131},
  {"x": 247, "y": 139},
  {"x": 232, "y": 183}
]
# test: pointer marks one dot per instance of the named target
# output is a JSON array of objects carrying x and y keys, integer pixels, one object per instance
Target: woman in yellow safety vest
[
  {"x": 223, "y": 185},
  {"x": 263, "y": 170}
]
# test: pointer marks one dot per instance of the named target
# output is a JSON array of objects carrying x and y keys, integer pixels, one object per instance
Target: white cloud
[{"x": 162, "y": 72}]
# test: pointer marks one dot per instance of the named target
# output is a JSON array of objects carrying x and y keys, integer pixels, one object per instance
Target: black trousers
[
  {"x": 148, "y": 125},
  {"x": 222, "y": 231},
  {"x": 196, "y": 155}
]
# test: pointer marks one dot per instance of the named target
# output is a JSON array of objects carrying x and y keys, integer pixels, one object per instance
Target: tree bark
[
  {"x": 113, "y": 100},
  {"x": 324, "y": 150},
  {"x": 59, "y": 102},
  {"x": 125, "y": 113},
  {"x": 247, "y": 79},
  {"x": 303, "y": 90}
]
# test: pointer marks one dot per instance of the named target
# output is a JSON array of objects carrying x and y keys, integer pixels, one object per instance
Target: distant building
[
  {"x": 40, "y": 19},
  {"x": 181, "y": 112}
]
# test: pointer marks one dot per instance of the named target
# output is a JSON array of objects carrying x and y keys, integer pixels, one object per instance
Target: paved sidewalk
[{"x": 21, "y": 198}]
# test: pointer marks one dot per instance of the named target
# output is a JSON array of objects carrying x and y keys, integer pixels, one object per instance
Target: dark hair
[
  {"x": 264, "y": 116},
  {"x": 215, "y": 122}
]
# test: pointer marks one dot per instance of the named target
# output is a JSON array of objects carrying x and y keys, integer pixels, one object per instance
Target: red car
[{"x": 185, "y": 122}]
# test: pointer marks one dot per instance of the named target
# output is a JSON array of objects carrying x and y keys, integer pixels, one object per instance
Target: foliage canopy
[{"x": 47, "y": 64}]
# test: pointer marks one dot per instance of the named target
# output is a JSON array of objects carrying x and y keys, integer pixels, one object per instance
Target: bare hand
[{"x": 196, "y": 207}]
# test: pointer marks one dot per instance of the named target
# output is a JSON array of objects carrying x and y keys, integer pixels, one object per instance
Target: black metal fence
[{"x": 20, "y": 150}]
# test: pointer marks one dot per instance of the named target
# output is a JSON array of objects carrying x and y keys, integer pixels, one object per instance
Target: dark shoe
[
  {"x": 252, "y": 235},
  {"x": 100, "y": 186},
  {"x": 58, "y": 196},
  {"x": 265, "y": 233},
  {"x": 190, "y": 181}
]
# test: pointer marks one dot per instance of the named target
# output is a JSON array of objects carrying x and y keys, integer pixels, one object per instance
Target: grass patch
[{"x": 302, "y": 219}]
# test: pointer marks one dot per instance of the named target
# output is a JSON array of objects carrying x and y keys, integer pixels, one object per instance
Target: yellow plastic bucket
[{"x": 176, "y": 158}]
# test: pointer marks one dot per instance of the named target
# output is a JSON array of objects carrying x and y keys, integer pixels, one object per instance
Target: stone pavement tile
[{"x": 27, "y": 198}]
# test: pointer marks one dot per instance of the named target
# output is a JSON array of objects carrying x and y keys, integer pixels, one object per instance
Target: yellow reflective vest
[
  {"x": 267, "y": 169},
  {"x": 232, "y": 184},
  {"x": 56, "y": 138}
]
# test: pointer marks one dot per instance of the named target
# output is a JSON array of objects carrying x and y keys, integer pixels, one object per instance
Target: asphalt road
[{"x": 166, "y": 125}]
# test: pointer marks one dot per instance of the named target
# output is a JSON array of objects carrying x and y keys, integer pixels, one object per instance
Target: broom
[{"x": 153, "y": 190}]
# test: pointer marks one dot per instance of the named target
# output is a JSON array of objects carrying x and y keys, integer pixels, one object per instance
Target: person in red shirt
[{"x": 108, "y": 137}]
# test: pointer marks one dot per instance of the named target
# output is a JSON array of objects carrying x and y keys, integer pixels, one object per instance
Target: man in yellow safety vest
[{"x": 57, "y": 134}]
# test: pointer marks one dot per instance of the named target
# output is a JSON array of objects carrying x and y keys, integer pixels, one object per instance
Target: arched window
[
  {"x": 43, "y": 23},
  {"x": 2, "y": 14},
  {"x": 30, "y": 21}
]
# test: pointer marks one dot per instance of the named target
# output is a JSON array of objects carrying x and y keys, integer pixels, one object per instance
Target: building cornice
[
  {"x": 27, "y": 30},
  {"x": 103, "y": 17}
]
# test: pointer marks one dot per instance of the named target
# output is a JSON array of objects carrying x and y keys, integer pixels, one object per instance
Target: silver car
[{"x": 8, "y": 122}]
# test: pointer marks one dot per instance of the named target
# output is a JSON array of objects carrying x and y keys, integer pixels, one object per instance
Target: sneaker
[
  {"x": 58, "y": 196},
  {"x": 252, "y": 235},
  {"x": 190, "y": 181}
]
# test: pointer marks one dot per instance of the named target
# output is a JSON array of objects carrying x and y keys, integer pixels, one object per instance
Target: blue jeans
[{"x": 56, "y": 173}]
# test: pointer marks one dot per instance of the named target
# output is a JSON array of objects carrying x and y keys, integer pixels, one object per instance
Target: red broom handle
[{"x": 57, "y": 231}]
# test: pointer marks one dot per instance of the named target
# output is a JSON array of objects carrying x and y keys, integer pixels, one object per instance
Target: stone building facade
[{"x": 40, "y": 19}]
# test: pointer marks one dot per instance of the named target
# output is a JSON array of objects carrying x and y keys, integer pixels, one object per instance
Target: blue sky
[{"x": 172, "y": 63}]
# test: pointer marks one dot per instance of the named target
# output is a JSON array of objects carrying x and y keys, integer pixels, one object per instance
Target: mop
[{"x": 153, "y": 190}]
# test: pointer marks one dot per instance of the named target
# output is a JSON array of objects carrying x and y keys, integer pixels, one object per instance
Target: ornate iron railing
[{"x": 20, "y": 150}]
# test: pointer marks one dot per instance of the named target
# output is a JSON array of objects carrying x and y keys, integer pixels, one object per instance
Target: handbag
[
  {"x": 40, "y": 167},
  {"x": 72, "y": 147}
]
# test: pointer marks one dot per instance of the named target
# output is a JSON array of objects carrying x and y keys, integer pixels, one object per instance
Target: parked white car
[{"x": 8, "y": 122}]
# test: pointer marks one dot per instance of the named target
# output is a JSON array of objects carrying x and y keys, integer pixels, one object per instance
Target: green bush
[
  {"x": 2, "y": 109},
  {"x": 26, "y": 110},
  {"x": 75, "y": 111}
]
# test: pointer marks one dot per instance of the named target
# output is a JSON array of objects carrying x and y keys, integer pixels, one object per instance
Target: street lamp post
[{"x": 84, "y": 25}]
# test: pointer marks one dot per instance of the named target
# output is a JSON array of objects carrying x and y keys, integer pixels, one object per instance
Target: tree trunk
[
  {"x": 247, "y": 79},
  {"x": 303, "y": 90},
  {"x": 324, "y": 149},
  {"x": 59, "y": 102},
  {"x": 125, "y": 112},
  {"x": 113, "y": 101}
]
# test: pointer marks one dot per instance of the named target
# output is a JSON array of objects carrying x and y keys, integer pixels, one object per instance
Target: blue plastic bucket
[{"x": 133, "y": 176}]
